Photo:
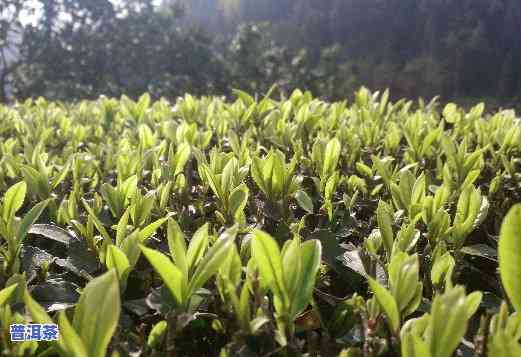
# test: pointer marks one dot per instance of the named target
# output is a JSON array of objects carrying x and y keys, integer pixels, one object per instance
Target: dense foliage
[
  {"x": 261, "y": 227},
  {"x": 77, "y": 49}
]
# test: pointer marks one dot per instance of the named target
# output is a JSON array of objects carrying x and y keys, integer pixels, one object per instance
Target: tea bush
[{"x": 261, "y": 226}]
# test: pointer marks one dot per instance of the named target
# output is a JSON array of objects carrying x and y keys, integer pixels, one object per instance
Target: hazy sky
[{"x": 33, "y": 10}]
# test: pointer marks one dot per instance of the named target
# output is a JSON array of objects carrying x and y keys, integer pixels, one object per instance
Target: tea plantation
[{"x": 260, "y": 226}]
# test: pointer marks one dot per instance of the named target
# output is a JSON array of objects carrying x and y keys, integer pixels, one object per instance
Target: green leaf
[
  {"x": 448, "y": 322},
  {"x": 238, "y": 200},
  {"x": 114, "y": 198},
  {"x": 146, "y": 232},
  {"x": 97, "y": 314},
  {"x": 404, "y": 281},
  {"x": 232, "y": 267},
  {"x": 130, "y": 247},
  {"x": 61, "y": 175},
  {"x": 257, "y": 169},
  {"x": 413, "y": 346},
  {"x": 13, "y": 200},
  {"x": 29, "y": 218},
  {"x": 212, "y": 261},
  {"x": 509, "y": 255},
  {"x": 177, "y": 246},
  {"x": 197, "y": 247},
  {"x": 157, "y": 334},
  {"x": 96, "y": 221},
  {"x": 472, "y": 303},
  {"x": 292, "y": 267},
  {"x": 266, "y": 253},
  {"x": 169, "y": 273},
  {"x": 227, "y": 175},
  {"x": 121, "y": 230},
  {"x": 331, "y": 157},
  {"x": 468, "y": 210},
  {"x": 387, "y": 302},
  {"x": 304, "y": 201},
  {"x": 451, "y": 114},
  {"x": 6, "y": 293},
  {"x": 442, "y": 269},
  {"x": 212, "y": 181},
  {"x": 181, "y": 158},
  {"x": 278, "y": 174},
  {"x": 385, "y": 220},
  {"x": 118, "y": 260},
  {"x": 71, "y": 341},
  {"x": 310, "y": 255},
  {"x": 39, "y": 315}
]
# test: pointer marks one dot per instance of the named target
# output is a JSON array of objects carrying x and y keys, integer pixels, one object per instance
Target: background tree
[{"x": 458, "y": 49}]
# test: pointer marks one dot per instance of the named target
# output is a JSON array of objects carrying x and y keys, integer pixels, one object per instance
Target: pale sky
[{"x": 33, "y": 10}]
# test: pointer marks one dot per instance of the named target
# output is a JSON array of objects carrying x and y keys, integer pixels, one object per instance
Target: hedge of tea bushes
[{"x": 260, "y": 226}]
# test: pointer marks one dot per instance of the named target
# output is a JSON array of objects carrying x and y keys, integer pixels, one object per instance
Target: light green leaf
[
  {"x": 292, "y": 267},
  {"x": 97, "y": 313},
  {"x": 118, "y": 260},
  {"x": 177, "y": 246},
  {"x": 238, "y": 200},
  {"x": 121, "y": 230},
  {"x": 181, "y": 158},
  {"x": 70, "y": 340},
  {"x": 6, "y": 293},
  {"x": 130, "y": 247},
  {"x": 157, "y": 334},
  {"x": 331, "y": 157},
  {"x": 257, "y": 169},
  {"x": 197, "y": 247},
  {"x": 13, "y": 200},
  {"x": 310, "y": 254},
  {"x": 448, "y": 322},
  {"x": 169, "y": 273},
  {"x": 96, "y": 221},
  {"x": 29, "y": 218},
  {"x": 442, "y": 269},
  {"x": 509, "y": 255},
  {"x": 61, "y": 175},
  {"x": 212, "y": 261},
  {"x": 385, "y": 220},
  {"x": 472, "y": 303},
  {"x": 146, "y": 232},
  {"x": 266, "y": 253},
  {"x": 387, "y": 302}
]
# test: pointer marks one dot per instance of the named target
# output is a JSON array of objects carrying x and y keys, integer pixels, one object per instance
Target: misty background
[{"x": 461, "y": 50}]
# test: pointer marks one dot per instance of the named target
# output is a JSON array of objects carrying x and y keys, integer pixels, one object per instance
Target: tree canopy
[{"x": 80, "y": 49}]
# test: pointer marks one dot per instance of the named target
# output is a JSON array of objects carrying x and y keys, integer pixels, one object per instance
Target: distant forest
[{"x": 458, "y": 49}]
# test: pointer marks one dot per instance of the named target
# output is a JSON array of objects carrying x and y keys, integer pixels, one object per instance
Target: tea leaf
[
  {"x": 72, "y": 342},
  {"x": 509, "y": 254},
  {"x": 387, "y": 302},
  {"x": 29, "y": 218},
  {"x": 177, "y": 246},
  {"x": 118, "y": 260},
  {"x": 6, "y": 293},
  {"x": 266, "y": 253},
  {"x": 97, "y": 313},
  {"x": 385, "y": 223},
  {"x": 169, "y": 273},
  {"x": 304, "y": 201},
  {"x": 211, "y": 262},
  {"x": 13, "y": 200}
]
